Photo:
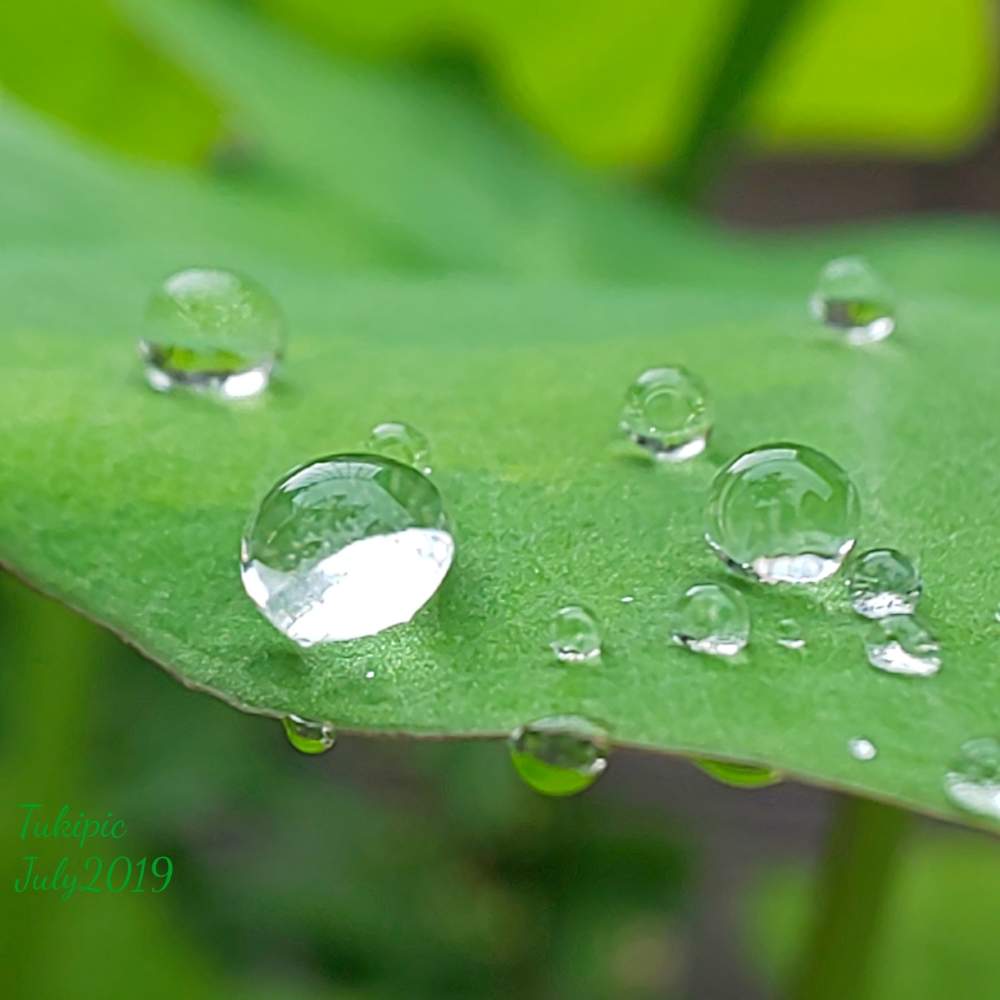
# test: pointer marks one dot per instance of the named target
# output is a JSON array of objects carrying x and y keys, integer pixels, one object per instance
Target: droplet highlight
[
  {"x": 576, "y": 637},
  {"x": 308, "y": 736},
  {"x": 667, "y": 413},
  {"x": 853, "y": 300},
  {"x": 346, "y": 546},
  {"x": 212, "y": 330},
  {"x": 559, "y": 755},
  {"x": 900, "y": 644},
  {"x": 738, "y": 775},
  {"x": 789, "y": 634},
  {"x": 402, "y": 443},
  {"x": 883, "y": 582},
  {"x": 783, "y": 513},
  {"x": 711, "y": 618},
  {"x": 862, "y": 749},
  {"x": 972, "y": 783}
]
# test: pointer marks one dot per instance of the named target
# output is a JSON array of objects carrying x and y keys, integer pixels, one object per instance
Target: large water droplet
[
  {"x": 308, "y": 736},
  {"x": 862, "y": 749},
  {"x": 401, "y": 442},
  {"x": 738, "y": 775},
  {"x": 783, "y": 513},
  {"x": 853, "y": 299},
  {"x": 667, "y": 412},
  {"x": 344, "y": 547},
  {"x": 790, "y": 634},
  {"x": 575, "y": 635},
  {"x": 711, "y": 618},
  {"x": 212, "y": 330},
  {"x": 973, "y": 781},
  {"x": 560, "y": 755},
  {"x": 884, "y": 582},
  {"x": 900, "y": 644}
]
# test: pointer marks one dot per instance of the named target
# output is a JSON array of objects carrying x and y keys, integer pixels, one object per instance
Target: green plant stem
[
  {"x": 856, "y": 875},
  {"x": 759, "y": 28}
]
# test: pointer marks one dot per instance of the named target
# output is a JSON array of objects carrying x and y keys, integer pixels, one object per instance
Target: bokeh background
[{"x": 403, "y": 869}]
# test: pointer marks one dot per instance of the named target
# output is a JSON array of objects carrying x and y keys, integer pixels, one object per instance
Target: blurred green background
[{"x": 393, "y": 869}]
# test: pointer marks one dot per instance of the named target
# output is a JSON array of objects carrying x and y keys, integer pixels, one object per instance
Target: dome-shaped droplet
[
  {"x": 789, "y": 634},
  {"x": 973, "y": 781},
  {"x": 559, "y": 755},
  {"x": 783, "y": 513},
  {"x": 900, "y": 644},
  {"x": 738, "y": 775},
  {"x": 862, "y": 749},
  {"x": 308, "y": 736},
  {"x": 853, "y": 299},
  {"x": 212, "y": 330},
  {"x": 711, "y": 618},
  {"x": 883, "y": 582},
  {"x": 402, "y": 442},
  {"x": 344, "y": 547},
  {"x": 667, "y": 412},
  {"x": 575, "y": 635}
]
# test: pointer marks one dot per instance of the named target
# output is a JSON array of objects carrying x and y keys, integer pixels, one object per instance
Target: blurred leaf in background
[
  {"x": 939, "y": 927},
  {"x": 617, "y": 85},
  {"x": 83, "y": 64}
]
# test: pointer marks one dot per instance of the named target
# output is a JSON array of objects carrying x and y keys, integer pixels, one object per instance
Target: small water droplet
[
  {"x": 559, "y": 755},
  {"x": 738, "y": 775},
  {"x": 862, "y": 749},
  {"x": 884, "y": 582},
  {"x": 667, "y": 412},
  {"x": 212, "y": 330},
  {"x": 711, "y": 618},
  {"x": 996, "y": 613},
  {"x": 783, "y": 513},
  {"x": 900, "y": 644},
  {"x": 369, "y": 675},
  {"x": 346, "y": 546},
  {"x": 973, "y": 781},
  {"x": 627, "y": 599},
  {"x": 790, "y": 634},
  {"x": 308, "y": 736},
  {"x": 575, "y": 635},
  {"x": 401, "y": 442},
  {"x": 853, "y": 299}
]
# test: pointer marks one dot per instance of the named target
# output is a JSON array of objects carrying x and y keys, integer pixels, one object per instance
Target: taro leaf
[{"x": 427, "y": 304}]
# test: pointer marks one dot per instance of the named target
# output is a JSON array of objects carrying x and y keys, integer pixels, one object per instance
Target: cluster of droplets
[{"x": 351, "y": 544}]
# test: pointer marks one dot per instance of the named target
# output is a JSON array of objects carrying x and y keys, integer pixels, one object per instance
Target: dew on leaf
[
  {"x": 783, "y": 513},
  {"x": 711, "y": 618},
  {"x": 344, "y": 547},
  {"x": 667, "y": 413},
  {"x": 560, "y": 754},
  {"x": 211, "y": 330}
]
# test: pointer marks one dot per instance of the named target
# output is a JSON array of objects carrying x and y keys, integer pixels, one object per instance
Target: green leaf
[
  {"x": 129, "y": 505},
  {"x": 620, "y": 87}
]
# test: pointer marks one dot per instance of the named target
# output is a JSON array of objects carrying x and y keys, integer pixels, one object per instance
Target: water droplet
[
  {"x": 575, "y": 635},
  {"x": 996, "y": 613},
  {"x": 369, "y": 675},
  {"x": 559, "y": 755},
  {"x": 899, "y": 644},
  {"x": 667, "y": 412},
  {"x": 738, "y": 775},
  {"x": 711, "y": 618},
  {"x": 790, "y": 634},
  {"x": 401, "y": 442},
  {"x": 862, "y": 749},
  {"x": 884, "y": 582},
  {"x": 783, "y": 513},
  {"x": 346, "y": 546},
  {"x": 973, "y": 781},
  {"x": 853, "y": 299},
  {"x": 212, "y": 330},
  {"x": 627, "y": 599},
  {"x": 308, "y": 736}
]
